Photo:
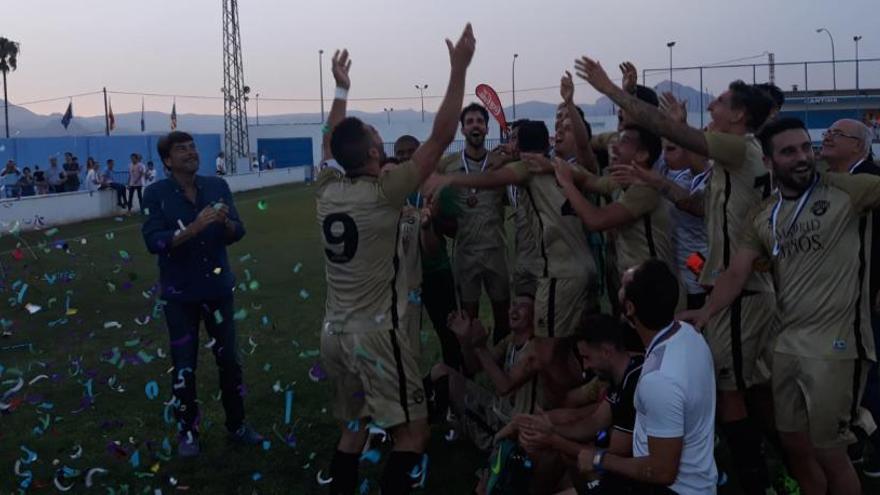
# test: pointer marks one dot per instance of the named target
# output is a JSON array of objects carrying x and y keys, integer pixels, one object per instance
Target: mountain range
[{"x": 24, "y": 123}]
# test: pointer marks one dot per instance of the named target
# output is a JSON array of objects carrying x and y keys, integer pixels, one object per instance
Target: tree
[{"x": 8, "y": 63}]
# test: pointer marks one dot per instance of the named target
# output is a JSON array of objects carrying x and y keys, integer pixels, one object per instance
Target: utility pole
[
  {"x": 513, "y": 82},
  {"x": 235, "y": 129},
  {"x": 106, "y": 115},
  {"x": 670, "y": 45},
  {"x": 321, "y": 80},
  {"x": 422, "y": 89}
]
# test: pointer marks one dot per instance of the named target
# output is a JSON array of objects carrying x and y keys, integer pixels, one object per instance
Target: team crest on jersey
[
  {"x": 418, "y": 396},
  {"x": 820, "y": 207}
]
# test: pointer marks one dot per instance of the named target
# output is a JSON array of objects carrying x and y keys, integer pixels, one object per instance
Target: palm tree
[{"x": 8, "y": 62}]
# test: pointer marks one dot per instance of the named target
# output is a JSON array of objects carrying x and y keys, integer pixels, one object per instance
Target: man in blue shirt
[{"x": 190, "y": 221}]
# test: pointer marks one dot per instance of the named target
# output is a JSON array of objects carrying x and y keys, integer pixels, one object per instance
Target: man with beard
[
  {"x": 739, "y": 336},
  {"x": 480, "y": 249},
  {"x": 363, "y": 346},
  {"x": 809, "y": 234},
  {"x": 601, "y": 345}
]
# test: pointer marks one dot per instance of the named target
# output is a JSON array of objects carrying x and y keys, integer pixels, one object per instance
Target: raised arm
[
  {"x": 682, "y": 198},
  {"x": 341, "y": 64},
  {"x": 584, "y": 150},
  {"x": 640, "y": 112},
  {"x": 595, "y": 218},
  {"x": 427, "y": 156}
]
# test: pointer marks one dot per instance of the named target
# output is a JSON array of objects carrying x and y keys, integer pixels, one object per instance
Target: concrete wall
[{"x": 39, "y": 212}]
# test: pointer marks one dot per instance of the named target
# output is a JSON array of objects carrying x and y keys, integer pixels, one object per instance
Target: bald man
[{"x": 846, "y": 147}]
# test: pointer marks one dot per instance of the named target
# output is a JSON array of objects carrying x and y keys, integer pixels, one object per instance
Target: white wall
[{"x": 40, "y": 212}]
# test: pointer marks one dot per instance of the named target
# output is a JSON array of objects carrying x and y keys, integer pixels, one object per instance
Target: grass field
[{"x": 86, "y": 357}]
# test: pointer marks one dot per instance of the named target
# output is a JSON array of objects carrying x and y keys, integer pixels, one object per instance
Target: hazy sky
[{"x": 174, "y": 46}]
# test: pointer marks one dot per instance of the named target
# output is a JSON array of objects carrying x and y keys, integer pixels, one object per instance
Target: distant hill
[{"x": 24, "y": 123}]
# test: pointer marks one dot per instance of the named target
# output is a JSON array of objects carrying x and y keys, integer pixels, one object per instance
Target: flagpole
[{"x": 106, "y": 115}]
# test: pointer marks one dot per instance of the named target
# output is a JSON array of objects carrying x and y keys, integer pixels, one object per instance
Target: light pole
[
  {"x": 833, "y": 58},
  {"x": 321, "y": 79},
  {"x": 258, "y": 107},
  {"x": 856, "y": 39},
  {"x": 670, "y": 45},
  {"x": 388, "y": 114},
  {"x": 513, "y": 82},
  {"x": 422, "y": 89}
]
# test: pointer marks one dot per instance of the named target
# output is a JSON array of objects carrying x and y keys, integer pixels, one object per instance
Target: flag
[
  {"x": 68, "y": 115},
  {"x": 143, "y": 125},
  {"x": 174, "y": 116},
  {"x": 490, "y": 98},
  {"x": 110, "y": 116}
]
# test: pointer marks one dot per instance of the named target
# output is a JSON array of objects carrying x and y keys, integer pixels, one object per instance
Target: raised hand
[
  {"x": 461, "y": 53},
  {"x": 627, "y": 175},
  {"x": 459, "y": 322},
  {"x": 591, "y": 71},
  {"x": 341, "y": 64},
  {"x": 538, "y": 163},
  {"x": 630, "y": 77},
  {"x": 566, "y": 88},
  {"x": 673, "y": 107}
]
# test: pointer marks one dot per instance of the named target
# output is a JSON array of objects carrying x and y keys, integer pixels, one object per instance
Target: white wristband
[{"x": 341, "y": 94}]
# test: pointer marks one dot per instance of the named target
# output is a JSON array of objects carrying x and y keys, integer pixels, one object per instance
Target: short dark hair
[
  {"x": 777, "y": 127},
  {"x": 773, "y": 92},
  {"x": 533, "y": 137},
  {"x": 601, "y": 329},
  {"x": 648, "y": 141},
  {"x": 168, "y": 141},
  {"x": 647, "y": 95},
  {"x": 653, "y": 291},
  {"x": 406, "y": 138},
  {"x": 350, "y": 143},
  {"x": 756, "y": 103},
  {"x": 474, "y": 107},
  {"x": 392, "y": 160}
]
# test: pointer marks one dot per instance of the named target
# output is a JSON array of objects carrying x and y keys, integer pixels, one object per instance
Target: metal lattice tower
[{"x": 235, "y": 92}]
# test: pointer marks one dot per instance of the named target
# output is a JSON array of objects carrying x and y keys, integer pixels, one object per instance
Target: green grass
[
  {"x": 104, "y": 286},
  {"x": 279, "y": 237}
]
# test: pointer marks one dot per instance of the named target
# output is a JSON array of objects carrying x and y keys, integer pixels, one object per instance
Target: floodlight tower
[{"x": 236, "y": 145}]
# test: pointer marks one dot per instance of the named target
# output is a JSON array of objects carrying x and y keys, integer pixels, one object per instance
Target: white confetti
[{"x": 33, "y": 308}]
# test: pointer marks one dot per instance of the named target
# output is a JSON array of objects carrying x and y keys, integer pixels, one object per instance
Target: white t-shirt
[
  {"x": 92, "y": 181},
  {"x": 675, "y": 398},
  {"x": 136, "y": 172}
]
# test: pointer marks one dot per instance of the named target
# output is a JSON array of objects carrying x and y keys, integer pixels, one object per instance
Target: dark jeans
[
  {"x": 183, "y": 329},
  {"x": 438, "y": 297},
  {"x": 120, "y": 193},
  {"x": 71, "y": 185},
  {"x": 131, "y": 191}
]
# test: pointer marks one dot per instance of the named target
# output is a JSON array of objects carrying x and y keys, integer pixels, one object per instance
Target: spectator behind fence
[
  {"x": 136, "y": 173},
  {"x": 72, "y": 170},
  {"x": 26, "y": 183},
  {"x": 56, "y": 176},
  {"x": 9, "y": 178},
  {"x": 150, "y": 174},
  {"x": 41, "y": 184},
  {"x": 107, "y": 182},
  {"x": 221, "y": 163},
  {"x": 93, "y": 181}
]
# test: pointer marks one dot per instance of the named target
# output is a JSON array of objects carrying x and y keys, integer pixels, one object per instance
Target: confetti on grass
[{"x": 262, "y": 205}]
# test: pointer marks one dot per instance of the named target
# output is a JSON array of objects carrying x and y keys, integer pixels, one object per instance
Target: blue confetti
[
  {"x": 288, "y": 406},
  {"x": 135, "y": 460},
  {"x": 152, "y": 389},
  {"x": 372, "y": 456}
]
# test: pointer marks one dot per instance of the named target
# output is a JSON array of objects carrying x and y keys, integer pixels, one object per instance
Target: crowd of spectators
[{"x": 70, "y": 176}]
